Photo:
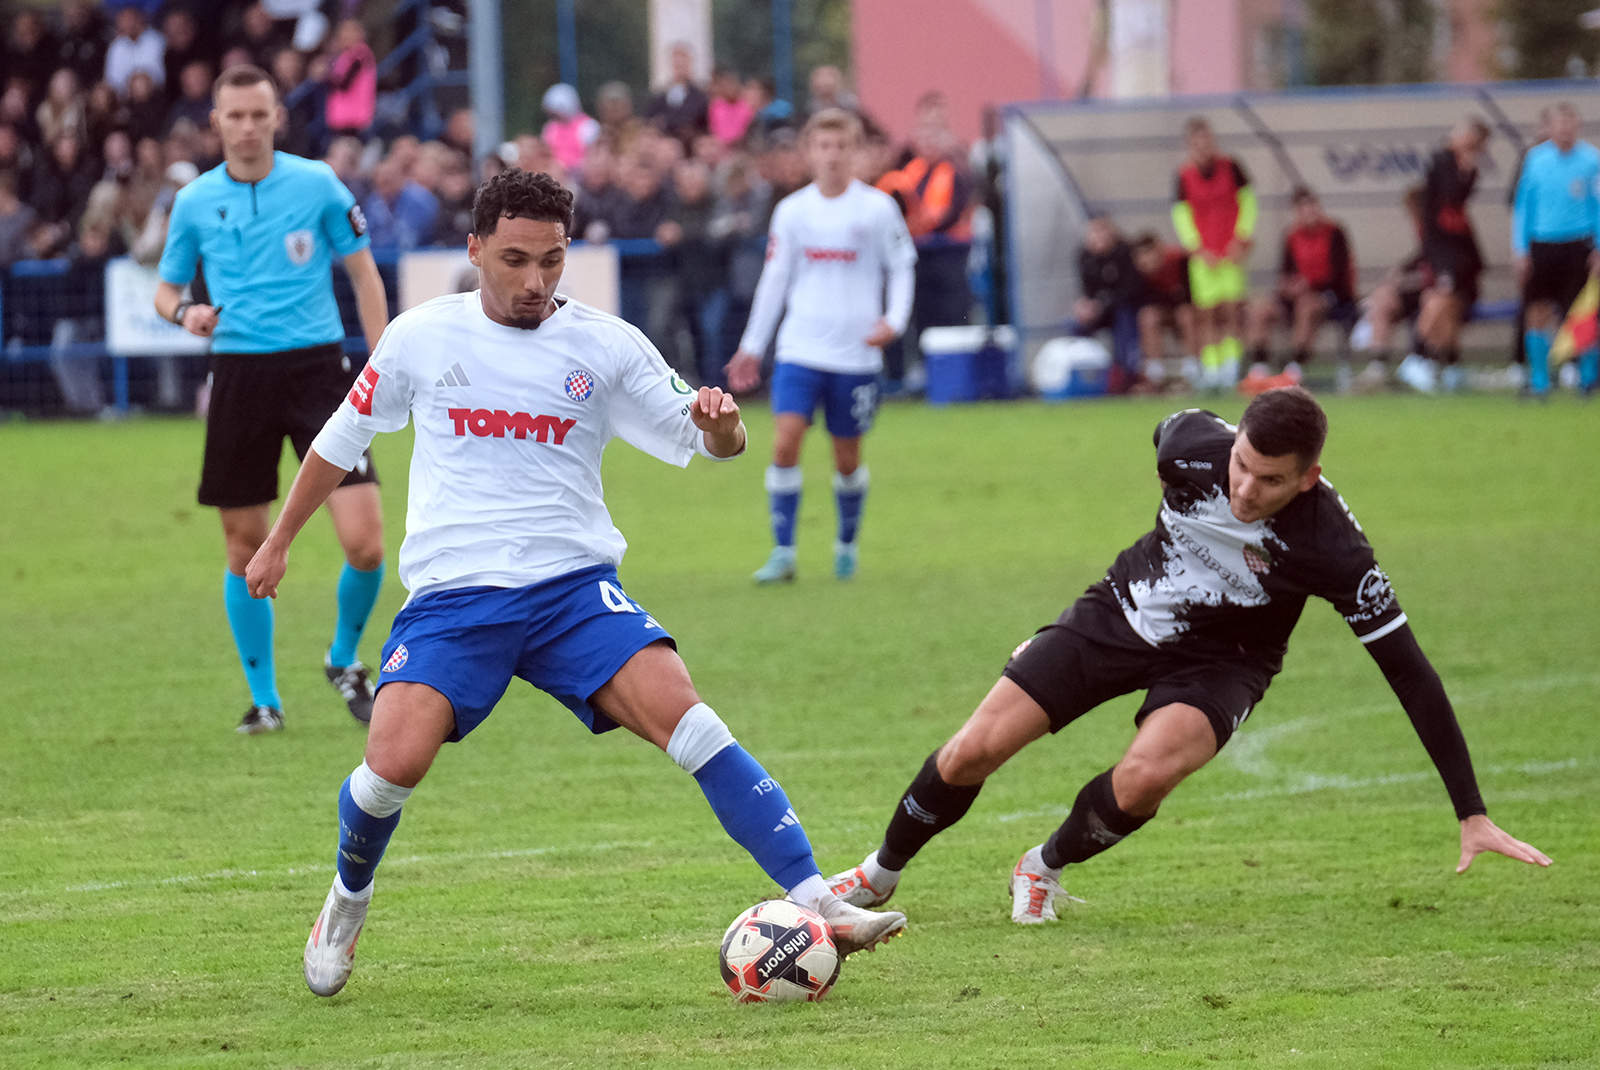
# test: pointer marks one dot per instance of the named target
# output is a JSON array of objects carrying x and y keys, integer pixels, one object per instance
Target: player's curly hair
[
  {"x": 1281, "y": 422},
  {"x": 518, "y": 194}
]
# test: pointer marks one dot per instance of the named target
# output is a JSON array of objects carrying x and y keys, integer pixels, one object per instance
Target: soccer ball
[{"x": 779, "y": 951}]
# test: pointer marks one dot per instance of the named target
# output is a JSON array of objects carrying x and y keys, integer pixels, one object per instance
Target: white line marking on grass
[
  {"x": 321, "y": 867},
  {"x": 1309, "y": 782}
]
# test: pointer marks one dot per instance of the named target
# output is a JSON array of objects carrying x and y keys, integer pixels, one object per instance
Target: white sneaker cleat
[
  {"x": 331, "y": 950},
  {"x": 855, "y": 929},
  {"x": 852, "y": 886},
  {"x": 1033, "y": 895}
]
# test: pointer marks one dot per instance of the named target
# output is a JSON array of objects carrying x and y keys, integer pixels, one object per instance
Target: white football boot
[
  {"x": 331, "y": 950},
  {"x": 855, "y": 929},
  {"x": 853, "y": 887},
  {"x": 1033, "y": 892}
]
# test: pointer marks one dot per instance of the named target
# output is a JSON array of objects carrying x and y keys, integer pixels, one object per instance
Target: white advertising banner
[{"x": 132, "y": 327}]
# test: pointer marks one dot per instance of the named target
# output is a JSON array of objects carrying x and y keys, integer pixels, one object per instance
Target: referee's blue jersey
[
  {"x": 1558, "y": 196},
  {"x": 266, "y": 249}
]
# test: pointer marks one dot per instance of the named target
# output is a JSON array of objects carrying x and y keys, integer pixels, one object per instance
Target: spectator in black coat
[
  {"x": 147, "y": 108},
  {"x": 184, "y": 46},
  {"x": 680, "y": 109},
  {"x": 83, "y": 41},
  {"x": 1112, "y": 291},
  {"x": 31, "y": 52},
  {"x": 62, "y": 182},
  {"x": 699, "y": 260},
  {"x": 194, "y": 96}
]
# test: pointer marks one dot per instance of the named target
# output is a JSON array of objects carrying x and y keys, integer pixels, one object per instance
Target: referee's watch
[{"x": 178, "y": 313}]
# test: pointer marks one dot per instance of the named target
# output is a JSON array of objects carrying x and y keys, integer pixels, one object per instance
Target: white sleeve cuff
[
  {"x": 701, "y": 448},
  {"x": 341, "y": 442}
]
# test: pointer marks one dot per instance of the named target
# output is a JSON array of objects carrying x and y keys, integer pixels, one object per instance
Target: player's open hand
[
  {"x": 265, "y": 571},
  {"x": 744, "y": 372},
  {"x": 1479, "y": 834},
  {"x": 200, "y": 320},
  {"x": 882, "y": 334}
]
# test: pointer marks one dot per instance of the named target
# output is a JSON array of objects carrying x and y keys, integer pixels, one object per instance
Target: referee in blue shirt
[
  {"x": 1555, "y": 223},
  {"x": 262, "y": 230}
]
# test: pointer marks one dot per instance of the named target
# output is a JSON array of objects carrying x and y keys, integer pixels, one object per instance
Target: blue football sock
[
  {"x": 850, "y": 493},
  {"x": 1589, "y": 369},
  {"x": 783, "y": 494},
  {"x": 358, "y": 592},
  {"x": 756, "y": 813},
  {"x": 363, "y": 836},
  {"x": 251, "y": 621},
  {"x": 1537, "y": 345}
]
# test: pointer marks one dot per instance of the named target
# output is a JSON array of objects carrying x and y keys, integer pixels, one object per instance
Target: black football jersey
[{"x": 1206, "y": 583}]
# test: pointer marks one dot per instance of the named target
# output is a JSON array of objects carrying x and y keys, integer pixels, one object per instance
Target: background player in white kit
[
  {"x": 833, "y": 247},
  {"x": 510, "y": 555}
]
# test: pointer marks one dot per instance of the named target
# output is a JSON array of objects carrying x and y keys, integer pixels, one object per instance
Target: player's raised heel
[
  {"x": 331, "y": 950},
  {"x": 258, "y": 720},
  {"x": 845, "y": 556},
  {"x": 852, "y": 887},
  {"x": 354, "y": 685},
  {"x": 1033, "y": 895},
  {"x": 779, "y": 567},
  {"x": 855, "y": 929}
]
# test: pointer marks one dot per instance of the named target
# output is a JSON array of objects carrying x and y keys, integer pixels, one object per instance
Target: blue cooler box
[
  {"x": 1067, "y": 368},
  {"x": 967, "y": 363}
]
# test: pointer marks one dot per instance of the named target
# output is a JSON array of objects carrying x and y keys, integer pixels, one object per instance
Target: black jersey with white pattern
[{"x": 1208, "y": 583}]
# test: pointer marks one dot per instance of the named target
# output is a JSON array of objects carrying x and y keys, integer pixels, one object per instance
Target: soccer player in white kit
[
  {"x": 510, "y": 555},
  {"x": 840, "y": 275}
]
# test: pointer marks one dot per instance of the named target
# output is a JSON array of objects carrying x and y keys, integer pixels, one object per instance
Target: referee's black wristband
[{"x": 179, "y": 312}]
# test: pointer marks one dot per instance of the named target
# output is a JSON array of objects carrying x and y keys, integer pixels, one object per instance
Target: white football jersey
[
  {"x": 835, "y": 267},
  {"x": 510, "y": 426}
]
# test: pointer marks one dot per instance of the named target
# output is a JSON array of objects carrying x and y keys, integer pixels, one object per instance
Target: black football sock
[
  {"x": 1096, "y": 823},
  {"x": 928, "y": 807}
]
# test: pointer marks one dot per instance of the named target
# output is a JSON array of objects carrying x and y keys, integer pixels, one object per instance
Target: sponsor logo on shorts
[
  {"x": 299, "y": 244},
  {"x": 579, "y": 385},
  {"x": 361, "y": 392},
  {"x": 397, "y": 660},
  {"x": 494, "y": 423}
]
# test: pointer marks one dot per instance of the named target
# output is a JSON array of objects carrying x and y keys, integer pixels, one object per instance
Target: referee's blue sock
[
  {"x": 783, "y": 495},
  {"x": 369, "y": 810},
  {"x": 251, "y": 622},
  {"x": 749, "y": 803},
  {"x": 1537, "y": 345},
  {"x": 1589, "y": 369},
  {"x": 850, "y": 493},
  {"x": 358, "y": 593}
]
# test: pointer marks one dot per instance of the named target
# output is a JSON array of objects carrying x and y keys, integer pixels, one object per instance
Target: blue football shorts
[
  {"x": 849, "y": 402},
  {"x": 566, "y": 636}
]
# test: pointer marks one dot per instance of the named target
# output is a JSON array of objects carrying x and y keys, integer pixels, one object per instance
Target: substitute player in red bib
[
  {"x": 511, "y": 556},
  {"x": 1214, "y": 213},
  {"x": 1196, "y": 614}
]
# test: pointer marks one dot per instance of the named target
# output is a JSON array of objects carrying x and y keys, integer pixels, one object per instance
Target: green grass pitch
[{"x": 553, "y": 899}]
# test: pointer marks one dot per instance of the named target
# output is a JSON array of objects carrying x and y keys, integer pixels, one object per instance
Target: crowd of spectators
[{"x": 105, "y": 114}]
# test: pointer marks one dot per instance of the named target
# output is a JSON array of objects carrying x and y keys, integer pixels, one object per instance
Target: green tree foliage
[
  {"x": 1369, "y": 42},
  {"x": 1543, "y": 37}
]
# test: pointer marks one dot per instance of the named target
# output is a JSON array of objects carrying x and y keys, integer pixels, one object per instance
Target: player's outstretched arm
[
  {"x": 717, "y": 415},
  {"x": 316, "y": 480},
  {"x": 1479, "y": 834},
  {"x": 372, "y": 304}
]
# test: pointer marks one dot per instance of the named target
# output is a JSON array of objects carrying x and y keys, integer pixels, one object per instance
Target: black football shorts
[
  {"x": 257, "y": 400},
  {"x": 1068, "y": 674},
  {"x": 1557, "y": 272}
]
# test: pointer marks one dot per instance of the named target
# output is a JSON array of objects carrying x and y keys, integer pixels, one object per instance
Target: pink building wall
[{"x": 985, "y": 52}]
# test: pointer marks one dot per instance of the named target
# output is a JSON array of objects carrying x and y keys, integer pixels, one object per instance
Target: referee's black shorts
[
  {"x": 1068, "y": 674},
  {"x": 256, "y": 400},
  {"x": 1557, "y": 271}
]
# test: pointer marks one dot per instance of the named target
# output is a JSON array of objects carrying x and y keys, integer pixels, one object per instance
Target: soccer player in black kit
[{"x": 1197, "y": 614}]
